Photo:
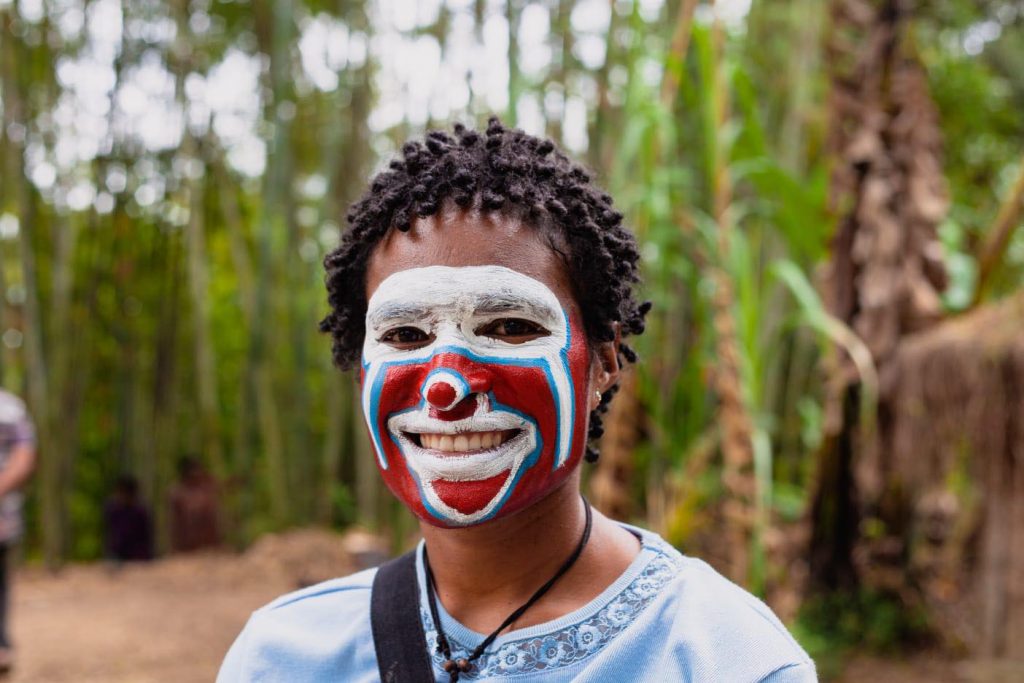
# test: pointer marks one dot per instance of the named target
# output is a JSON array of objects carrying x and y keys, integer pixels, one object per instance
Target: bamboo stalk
[
  {"x": 37, "y": 372},
  {"x": 265, "y": 335},
  {"x": 205, "y": 361},
  {"x": 367, "y": 483},
  {"x": 676, "y": 60},
  {"x": 612, "y": 483},
  {"x": 512, "y": 12},
  {"x": 736, "y": 423},
  {"x": 241, "y": 260},
  {"x": 338, "y": 389},
  {"x": 159, "y": 470},
  {"x": 193, "y": 195}
]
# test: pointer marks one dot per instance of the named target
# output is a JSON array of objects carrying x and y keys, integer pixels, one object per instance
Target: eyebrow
[
  {"x": 391, "y": 312},
  {"x": 490, "y": 304}
]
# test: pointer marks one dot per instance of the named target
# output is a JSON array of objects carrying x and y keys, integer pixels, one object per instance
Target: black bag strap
[{"x": 402, "y": 655}]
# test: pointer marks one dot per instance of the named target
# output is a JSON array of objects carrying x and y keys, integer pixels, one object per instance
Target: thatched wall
[{"x": 944, "y": 489}]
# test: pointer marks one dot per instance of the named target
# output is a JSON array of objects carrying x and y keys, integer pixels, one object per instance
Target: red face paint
[{"x": 468, "y": 428}]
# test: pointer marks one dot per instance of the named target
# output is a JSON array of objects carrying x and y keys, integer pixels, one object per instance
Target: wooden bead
[
  {"x": 463, "y": 665},
  {"x": 450, "y": 666}
]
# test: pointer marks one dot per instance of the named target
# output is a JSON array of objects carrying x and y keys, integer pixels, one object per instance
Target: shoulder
[
  {"x": 12, "y": 408},
  {"x": 316, "y": 632},
  {"x": 347, "y": 590},
  {"x": 723, "y": 630},
  {"x": 728, "y": 606},
  {"x": 13, "y": 415}
]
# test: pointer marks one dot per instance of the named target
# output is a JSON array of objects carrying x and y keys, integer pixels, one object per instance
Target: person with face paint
[{"x": 484, "y": 293}]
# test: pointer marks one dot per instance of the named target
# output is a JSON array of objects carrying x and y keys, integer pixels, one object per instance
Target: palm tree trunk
[{"x": 884, "y": 275}]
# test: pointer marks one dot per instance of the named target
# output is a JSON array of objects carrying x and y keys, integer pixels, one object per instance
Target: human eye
[
  {"x": 512, "y": 330},
  {"x": 405, "y": 338}
]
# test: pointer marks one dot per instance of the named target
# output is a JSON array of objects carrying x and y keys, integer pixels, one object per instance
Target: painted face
[{"x": 469, "y": 389}]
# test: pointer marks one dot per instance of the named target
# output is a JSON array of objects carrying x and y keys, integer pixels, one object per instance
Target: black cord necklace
[{"x": 463, "y": 665}]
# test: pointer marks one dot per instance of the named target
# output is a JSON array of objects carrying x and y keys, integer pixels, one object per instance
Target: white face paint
[{"x": 413, "y": 398}]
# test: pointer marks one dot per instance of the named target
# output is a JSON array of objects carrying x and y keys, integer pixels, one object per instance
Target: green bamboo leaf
[
  {"x": 818, "y": 318},
  {"x": 799, "y": 208}
]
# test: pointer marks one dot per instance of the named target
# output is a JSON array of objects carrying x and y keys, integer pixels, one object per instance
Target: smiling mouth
[
  {"x": 466, "y": 442},
  {"x": 464, "y": 467}
]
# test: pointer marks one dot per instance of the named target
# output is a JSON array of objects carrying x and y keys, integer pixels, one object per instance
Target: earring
[{"x": 598, "y": 395}]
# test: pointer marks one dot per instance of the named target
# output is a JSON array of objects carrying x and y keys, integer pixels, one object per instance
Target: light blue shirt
[{"x": 666, "y": 618}]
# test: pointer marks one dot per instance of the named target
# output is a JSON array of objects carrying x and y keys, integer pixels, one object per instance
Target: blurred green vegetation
[{"x": 832, "y": 627}]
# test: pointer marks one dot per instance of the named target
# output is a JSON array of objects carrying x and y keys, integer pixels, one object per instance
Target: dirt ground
[
  {"x": 173, "y": 620},
  {"x": 170, "y": 621},
  {"x": 166, "y": 621}
]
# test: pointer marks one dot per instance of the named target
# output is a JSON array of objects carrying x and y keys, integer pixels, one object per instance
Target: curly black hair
[{"x": 502, "y": 170}]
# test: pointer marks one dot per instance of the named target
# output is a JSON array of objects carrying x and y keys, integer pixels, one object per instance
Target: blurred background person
[
  {"x": 195, "y": 508},
  {"x": 17, "y": 461},
  {"x": 127, "y": 523}
]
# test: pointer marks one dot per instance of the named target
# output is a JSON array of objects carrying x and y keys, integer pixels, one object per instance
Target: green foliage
[
  {"x": 345, "y": 508},
  {"x": 831, "y": 627},
  {"x": 961, "y": 266},
  {"x": 670, "y": 159},
  {"x": 972, "y": 52}
]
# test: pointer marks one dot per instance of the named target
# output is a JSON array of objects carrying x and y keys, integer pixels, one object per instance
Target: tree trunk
[{"x": 885, "y": 269}]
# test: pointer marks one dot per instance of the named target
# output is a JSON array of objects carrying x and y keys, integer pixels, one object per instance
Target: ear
[{"x": 604, "y": 368}]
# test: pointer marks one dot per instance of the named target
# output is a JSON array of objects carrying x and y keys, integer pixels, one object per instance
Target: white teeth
[{"x": 461, "y": 443}]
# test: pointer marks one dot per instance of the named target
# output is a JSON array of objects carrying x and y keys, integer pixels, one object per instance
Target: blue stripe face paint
[{"x": 474, "y": 390}]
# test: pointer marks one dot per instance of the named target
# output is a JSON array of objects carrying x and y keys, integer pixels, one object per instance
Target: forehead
[
  {"x": 465, "y": 290},
  {"x": 459, "y": 239}
]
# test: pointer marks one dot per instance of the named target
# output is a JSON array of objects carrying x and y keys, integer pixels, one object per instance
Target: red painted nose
[{"x": 441, "y": 395}]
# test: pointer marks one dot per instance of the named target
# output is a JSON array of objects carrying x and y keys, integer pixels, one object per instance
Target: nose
[
  {"x": 445, "y": 389},
  {"x": 442, "y": 395}
]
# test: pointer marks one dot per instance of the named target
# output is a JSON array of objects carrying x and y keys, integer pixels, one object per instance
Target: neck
[
  {"x": 485, "y": 572},
  {"x": 474, "y": 562}
]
